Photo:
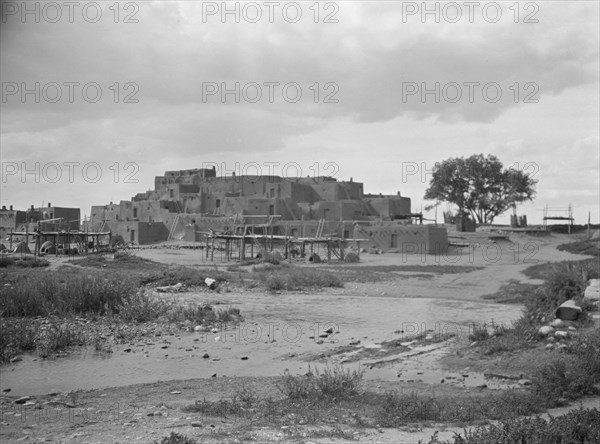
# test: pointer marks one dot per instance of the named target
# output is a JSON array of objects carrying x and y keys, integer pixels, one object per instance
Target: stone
[
  {"x": 549, "y": 346},
  {"x": 329, "y": 330},
  {"x": 210, "y": 283},
  {"x": 176, "y": 392},
  {"x": 22, "y": 399},
  {"x": 524, "y": 381},
  {"x": 571, "y": 328},
  {"x": 592, "y": 292},
  {"x": 244, "y": 358},
  {"x": 557, "y": 323},
  {"x": 561, "y": 334},
  {"x": 170, "y": 288},
  {"x": 198, "y": 328},
  {"x": 568, "y": 311},
  {"x": 196, "y": 424},
  {"x": 16, "y": 359},
  {"x": 205, "y": 356},
  {"x": 546, "y": 330}
]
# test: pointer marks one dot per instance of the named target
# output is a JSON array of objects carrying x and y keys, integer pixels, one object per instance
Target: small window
[
  {"x": 135, "y": 213},
  {"x": 218, "y": 203}
]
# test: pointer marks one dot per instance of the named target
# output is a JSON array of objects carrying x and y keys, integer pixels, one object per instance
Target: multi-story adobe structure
[{"x": 186, "y": 203}]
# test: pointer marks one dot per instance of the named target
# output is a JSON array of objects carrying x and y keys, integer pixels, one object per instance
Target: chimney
[
  {"x": 4, "y": 207},
  {"x": 32, "y": 207},
  {"x": 49, "y": 205},
  {"x": 11, "y": 208},
  {"x": 351, "y": 180}
]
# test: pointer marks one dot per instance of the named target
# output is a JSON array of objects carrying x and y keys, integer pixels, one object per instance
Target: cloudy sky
[{"x": 98, "y": 98}]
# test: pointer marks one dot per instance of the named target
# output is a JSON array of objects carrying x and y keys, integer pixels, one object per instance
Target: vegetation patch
[
  {"x": 22, "y": 261},
  {"x": 298, "y": 278},
  {"x": 577, "y": 426}
]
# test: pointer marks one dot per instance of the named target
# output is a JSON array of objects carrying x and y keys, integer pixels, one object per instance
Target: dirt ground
[{"x": 137, "y": 393}]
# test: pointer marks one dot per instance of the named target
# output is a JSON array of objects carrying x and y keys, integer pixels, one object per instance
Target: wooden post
[
  {"x": 243, "y": 245},
  {"x": 589, "y": 233},
  {"x": 212, "y": 250}
]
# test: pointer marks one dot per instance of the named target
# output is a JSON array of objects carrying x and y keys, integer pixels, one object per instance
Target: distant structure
[
  {"x": 49, "y": 218},
  {"x": 188, "y": 204}
]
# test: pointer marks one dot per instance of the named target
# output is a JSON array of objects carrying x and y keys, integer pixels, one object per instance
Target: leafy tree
[{"x": 479, "y": 186}]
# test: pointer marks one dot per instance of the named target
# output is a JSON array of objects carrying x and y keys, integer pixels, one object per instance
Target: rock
[
  {"x": 568, "y": 311},
  {"x": 16, "y": 359},
  {"x": 210, "y": 283},
  {"x": 323, "y": 335},
  {"x": 29, "y": 403},
  {"x": 355, "y": 342},
  {"x": 198, "y": 328},
  {"x": 170, "y": 288},
  {"x": 244, "y": 358},
  {"x": 196, "y": 424},
  {"x": 205, "y": 356},
  {"x": 549, "y": 346},
  {"x": 592, "y": 292},
  {"x": 127, "y": 350},
  {"x": 329, "y": 330},
  {"x": 176, "y": 392},
  {"x": 6, "y": 390},
  {"x": 557, "y": 323},
  {"x": 561, "y": 334},
  {"x": 524, "y": 381},
  {"x": 214, "y": 375},
  {"x": 22, "y": 400},
  {"x": 214, "y": 330},
  {"x": 571, "y": 328},
  {"x": 551, "y": 339},
  {"x": 545, "y": 330},
  {"x": 320, "y": 341}
]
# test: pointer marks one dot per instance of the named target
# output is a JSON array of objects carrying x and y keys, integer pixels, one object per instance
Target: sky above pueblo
[{"x": 98, "y": 98}]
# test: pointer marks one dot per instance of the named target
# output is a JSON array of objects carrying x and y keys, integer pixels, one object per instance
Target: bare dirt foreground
[{"x": 137, "y": 393}]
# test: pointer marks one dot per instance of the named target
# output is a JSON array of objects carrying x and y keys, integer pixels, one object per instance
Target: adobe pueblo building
[{"x": 192, "y": 205}]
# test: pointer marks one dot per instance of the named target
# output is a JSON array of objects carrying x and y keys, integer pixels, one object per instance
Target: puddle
[{"x": 266, "y": 343}]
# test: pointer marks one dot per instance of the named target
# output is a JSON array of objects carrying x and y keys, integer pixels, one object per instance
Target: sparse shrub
[
  {"x": 579, "y": 426},
  {"x": 22, "y": 261},
  {"x": 65, "y": 292},
  {"x": 58, "y": 336},
  {"x": 351, "y": 257},
  {"x": 141, "y": 308},
  {"x": 331, "y": 383},
  {"x": 296, "y": 278},
  {"x": 479, "y": 332},
  {"x": 572, "y": 375},
  {"x": 272, "y": 257},
  {"x": 176, "y": 438}
]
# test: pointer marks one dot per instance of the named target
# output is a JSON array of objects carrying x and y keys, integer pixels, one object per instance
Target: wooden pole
[{"x": 589, "y": 233}]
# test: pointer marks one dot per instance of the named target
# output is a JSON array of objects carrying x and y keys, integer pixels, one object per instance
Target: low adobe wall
[{"x": 420, "y": 239}]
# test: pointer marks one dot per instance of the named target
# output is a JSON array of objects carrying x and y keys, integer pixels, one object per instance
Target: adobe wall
[{"x": 407, "y": 238}]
